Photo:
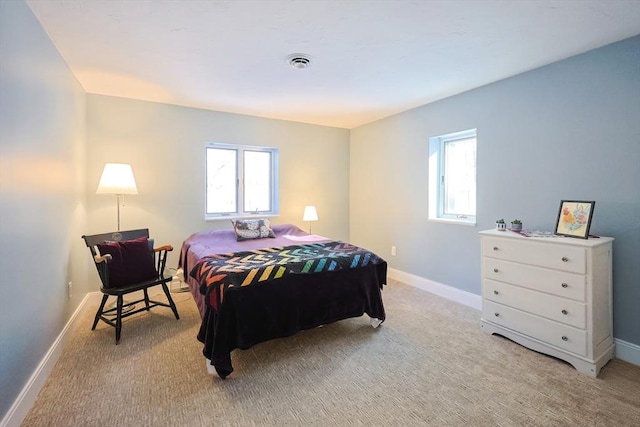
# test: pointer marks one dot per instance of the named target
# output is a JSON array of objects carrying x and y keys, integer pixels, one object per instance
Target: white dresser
[{"x": 552, "y": 295}]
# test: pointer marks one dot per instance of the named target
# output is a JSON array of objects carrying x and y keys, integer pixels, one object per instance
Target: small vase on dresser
[{"x": 550, "y": 294}]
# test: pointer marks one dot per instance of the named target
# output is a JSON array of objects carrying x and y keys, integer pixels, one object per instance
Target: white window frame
[
  {"x": 274, "y": 183},
  {"x": 437, "y": 176}
]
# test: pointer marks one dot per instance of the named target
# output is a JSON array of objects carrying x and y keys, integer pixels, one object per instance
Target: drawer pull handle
[
  {"x": 495, "y": 270},
  {"x": 495, "y": 248},
  {"x": 564, "y": 285},
  {"x": 497, "y": 314},
  {"x": 565, "y": 259},
  {"x": 565, "y": 312},
  {"x": 564, "y": 338},
  {"x": 496, "y": 292}
]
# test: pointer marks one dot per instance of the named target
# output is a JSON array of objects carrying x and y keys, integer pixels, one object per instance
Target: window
[
  {"x": 241, "y": 181},
  {"x": 452, "y": 177}
]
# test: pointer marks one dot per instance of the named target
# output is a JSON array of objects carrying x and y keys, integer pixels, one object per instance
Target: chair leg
[
  {"x": 119, "y": 318},
  {"x": 99, "y": 313},
  {"x": 171, "y": 303},
  {"x": 146, "y": 298}
]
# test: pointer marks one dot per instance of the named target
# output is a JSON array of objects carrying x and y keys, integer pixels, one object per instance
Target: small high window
[{"x": 452, "y": 177}]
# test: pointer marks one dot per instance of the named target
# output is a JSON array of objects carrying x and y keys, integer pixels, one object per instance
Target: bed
[{"x": 254, "y": 290}]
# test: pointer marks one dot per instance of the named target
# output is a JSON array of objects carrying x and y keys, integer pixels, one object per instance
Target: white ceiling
[{"x": 371, "y": 59}]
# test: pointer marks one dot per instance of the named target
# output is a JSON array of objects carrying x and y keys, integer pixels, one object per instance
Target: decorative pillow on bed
[
  {"x": 131, "y": 262},
  {"x": 247, "y": 229}
]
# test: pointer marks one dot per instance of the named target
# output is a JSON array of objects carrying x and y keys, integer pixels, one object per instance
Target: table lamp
[
  {"x": 117, "y": 178},
  {"x": 310, "y": 214}
]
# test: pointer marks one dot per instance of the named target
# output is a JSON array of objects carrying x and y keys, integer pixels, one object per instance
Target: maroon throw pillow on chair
[{"x": 132, "y": 262}]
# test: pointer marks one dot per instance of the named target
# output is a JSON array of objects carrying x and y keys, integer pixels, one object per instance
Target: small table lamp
[
  {"x": 310, "y": 214},
  {"x": 117, "y": 178}
]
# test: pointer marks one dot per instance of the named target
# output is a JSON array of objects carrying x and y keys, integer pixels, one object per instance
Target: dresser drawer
[
  {"x": 556, "y": 256},
  {"x": 563, "y": 310},
  {"x": 553, "y": 333},
  {"x": 561, "y": 283}
]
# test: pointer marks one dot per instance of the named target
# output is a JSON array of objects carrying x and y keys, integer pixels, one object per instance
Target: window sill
[
  {"x": 453, "y": 221},
  {"x": 232, "y": 217}
]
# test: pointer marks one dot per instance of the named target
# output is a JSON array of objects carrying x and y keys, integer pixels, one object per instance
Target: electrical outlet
[
  {"x": 393, "y": 251},
  {"x": 69, "y": 290}
]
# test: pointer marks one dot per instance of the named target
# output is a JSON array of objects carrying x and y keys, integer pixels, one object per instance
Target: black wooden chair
[{"x": 127, "y": 262}]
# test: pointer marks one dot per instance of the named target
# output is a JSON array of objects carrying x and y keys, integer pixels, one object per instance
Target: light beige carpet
[{"x": 428, "y": 364}]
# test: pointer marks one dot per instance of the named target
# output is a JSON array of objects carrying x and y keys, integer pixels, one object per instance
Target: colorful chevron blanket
[{"x": 218, "y": 273}]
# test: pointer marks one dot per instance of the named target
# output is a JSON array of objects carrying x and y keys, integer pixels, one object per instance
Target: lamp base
[{"x": 179, "y": 289}]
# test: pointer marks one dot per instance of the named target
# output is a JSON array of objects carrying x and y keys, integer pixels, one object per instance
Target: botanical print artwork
[{"x": 574, "y": 218}]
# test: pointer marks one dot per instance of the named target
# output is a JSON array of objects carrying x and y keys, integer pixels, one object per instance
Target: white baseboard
[
  {"x": 29, "y": 393},
  {"x": 626, "y": 351},
  {"x": 445, "y": 291}
]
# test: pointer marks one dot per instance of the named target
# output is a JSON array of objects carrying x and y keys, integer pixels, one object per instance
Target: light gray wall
[
  {"x": 570, "y": 130},
  {"x": 165, "y": 146},
  {"x": 42, "y": 202}
]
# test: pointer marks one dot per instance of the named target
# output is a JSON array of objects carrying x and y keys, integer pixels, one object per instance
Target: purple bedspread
[{"x": 210, "y": 242}]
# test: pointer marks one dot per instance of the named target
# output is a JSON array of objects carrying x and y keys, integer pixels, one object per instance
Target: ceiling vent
[{"x": 299, "y": 60}]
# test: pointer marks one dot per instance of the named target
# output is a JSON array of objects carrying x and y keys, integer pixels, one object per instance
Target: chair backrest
[{"x": 115, "y": 236}]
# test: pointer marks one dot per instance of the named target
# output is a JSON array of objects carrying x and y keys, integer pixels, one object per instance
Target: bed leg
[
  {"x": 375, "y": 322},
  {"x": 211, "y": 370}
]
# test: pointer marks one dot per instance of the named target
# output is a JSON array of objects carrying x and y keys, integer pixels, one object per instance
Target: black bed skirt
[{"x": 257, "y": 313}]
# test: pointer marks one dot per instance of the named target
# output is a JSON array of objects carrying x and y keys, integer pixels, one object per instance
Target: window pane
[
  {"x": 257, "y": 181},
  {"x": 460, "y": 177},
  {"x": 241, "y": 180},
  {"x": 221, "y": 180}
]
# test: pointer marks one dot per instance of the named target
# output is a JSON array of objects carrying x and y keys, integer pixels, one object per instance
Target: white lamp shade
[
  {"x": 310, "y": 214},
  {"x": 117, "y": 178}
]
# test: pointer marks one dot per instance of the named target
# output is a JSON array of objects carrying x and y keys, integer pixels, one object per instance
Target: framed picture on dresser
[{"x": 574, "y": 218}]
